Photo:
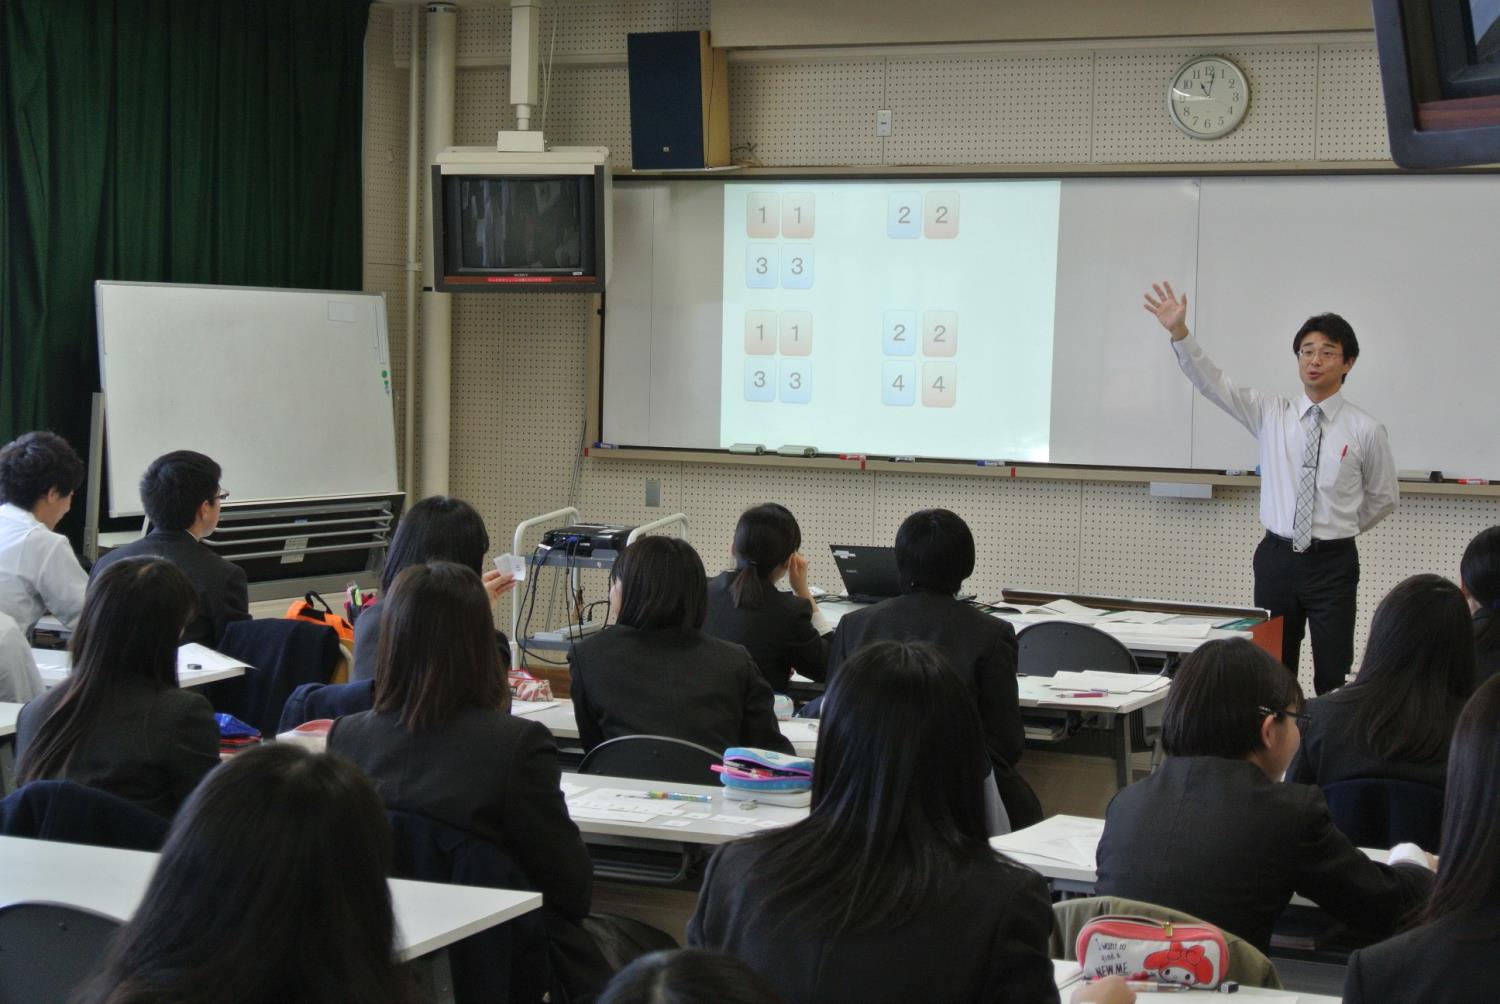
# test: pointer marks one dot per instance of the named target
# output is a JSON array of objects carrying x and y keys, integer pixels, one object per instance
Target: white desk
[
  {"x": 1066, "y": 975},
  {"x": 53, "y": 664},
  {"x": 1063, "y": 849},
  {"x": 559, "y": 719},
  {"x": 8, "y": 714},
  {"x": 429, "y": 915},
  {"x": 711, "y": 823}
]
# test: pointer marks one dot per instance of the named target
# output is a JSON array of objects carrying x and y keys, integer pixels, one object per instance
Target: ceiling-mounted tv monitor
[{"x": 514, "y": 221}]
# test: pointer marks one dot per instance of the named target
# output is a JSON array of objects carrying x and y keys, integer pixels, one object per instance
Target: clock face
[{"x": 1208, "y": 97}]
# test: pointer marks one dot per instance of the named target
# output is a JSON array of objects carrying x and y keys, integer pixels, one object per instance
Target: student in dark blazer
[
  {"x": 1215, "y": 834},
  {"x": 1396, "y": 719},
  {"x": 1448, "y": 960},
  {"x": 437, "y": 528},
  {"x": 182, "y": 496},
  {"x": 1480, "y": 577},
  {"x": 888, "y": 891},
  {"x": 783, "y": 632},
  {"x": 119, "y": 722},
  {"x": 934, "y": 555},
  {"x": 441, "y": 741},
  {"x": 655, "y": 672},
  {"x": 272, "y": 887}
]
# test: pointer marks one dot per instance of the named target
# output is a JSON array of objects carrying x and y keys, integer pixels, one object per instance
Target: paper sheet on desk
[
  {"x": 1114, "y": 683},
  {"x": 529, "y": 707},
  {"x": 205, "y": 658},
  {"x": 1060, "y": 839},
  {"x": 620, "y": 805}
]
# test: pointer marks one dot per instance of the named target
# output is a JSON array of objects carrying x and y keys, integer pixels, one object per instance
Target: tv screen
[{"x": 499, "y": 230}]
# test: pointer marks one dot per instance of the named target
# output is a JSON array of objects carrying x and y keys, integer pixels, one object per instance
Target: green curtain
[{"x": 208, "y": 141}]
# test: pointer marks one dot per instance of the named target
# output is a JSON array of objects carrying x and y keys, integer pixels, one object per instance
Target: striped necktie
[{"x": 1312, "y": 435}]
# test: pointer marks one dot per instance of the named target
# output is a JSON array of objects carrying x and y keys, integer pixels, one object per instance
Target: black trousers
[{"x": 1315, "y": 587}]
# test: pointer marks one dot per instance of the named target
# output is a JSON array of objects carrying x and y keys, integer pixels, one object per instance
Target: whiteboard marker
[{"x": 1473, "y": 481}]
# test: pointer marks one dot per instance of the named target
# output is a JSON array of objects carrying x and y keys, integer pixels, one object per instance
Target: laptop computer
[{"x": 868, "y": 571}]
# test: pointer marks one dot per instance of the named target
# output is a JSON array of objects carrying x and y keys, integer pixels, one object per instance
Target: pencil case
[
  {"x": 1139, "y": 948},
  {"x": 747, "y": 769}
]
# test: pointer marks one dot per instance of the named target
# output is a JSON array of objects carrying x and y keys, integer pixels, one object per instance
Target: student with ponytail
[{"x": 784, "y": 632}]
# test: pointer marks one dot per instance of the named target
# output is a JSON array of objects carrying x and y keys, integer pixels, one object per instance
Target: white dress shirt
[
  {"x": 38, "y": 571},
  {"x": 19, "y": 679},
  {"x": 1356, "y": 485}
]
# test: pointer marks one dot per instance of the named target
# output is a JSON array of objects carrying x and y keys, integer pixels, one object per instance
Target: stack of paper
[
  {"x": 621, "y": 805},
  {"x": 1111, "y": 683},
  {"x": 1070, "y": 840}
]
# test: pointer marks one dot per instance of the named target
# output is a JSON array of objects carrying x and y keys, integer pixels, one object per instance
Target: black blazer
[
  {"x": 223, "y": 595},
  {"x": 150, "y": 745},
  {"x": 779, "y": 636},
  {"x": 1486, "y": 645},
  {"x": 1333, "y": 750},
  {"x": 984, "y": 939},
  {"x": 1444, "y": 962},
  {"x": 487, "y": 773},
  {"x": 670, "y": 682},
  {"x": 980, "y": 647},
  {"x": 1217, "y": 839}
]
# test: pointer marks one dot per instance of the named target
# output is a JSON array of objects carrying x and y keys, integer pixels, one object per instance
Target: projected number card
[{"x": 893, "y": 313}]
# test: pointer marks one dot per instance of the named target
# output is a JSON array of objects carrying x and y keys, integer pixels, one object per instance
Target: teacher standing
[{"x": 1327, "y": 475}]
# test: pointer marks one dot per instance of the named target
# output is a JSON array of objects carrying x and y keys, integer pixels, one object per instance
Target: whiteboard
[
  {"x": 1407, "y": 259},
  {"x": 288, "y": 390}
]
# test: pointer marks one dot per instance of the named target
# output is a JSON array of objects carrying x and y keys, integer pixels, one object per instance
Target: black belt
[{"x": 1341, "y": 544}]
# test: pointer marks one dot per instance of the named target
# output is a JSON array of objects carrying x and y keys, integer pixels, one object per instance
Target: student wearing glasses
[
  {"x": 1215, "y": 833},
  {"x": 1447, "y": 959},
  {"x": 1396, "y": 719},
  {"x": 182, "y": 497},
  {"x": 1327, "y": 475}
]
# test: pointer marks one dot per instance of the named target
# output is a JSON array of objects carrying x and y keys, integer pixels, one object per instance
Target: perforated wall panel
[
  {"x": 806, "y": 113},
  {"x": 990, "y": 110},
  {"x": 1351, "y": 108},
  {"x": 1131, "y": 123},
  {"x": 590, "y": 106}
]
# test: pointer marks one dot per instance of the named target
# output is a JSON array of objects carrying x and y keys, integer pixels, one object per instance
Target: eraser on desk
[{"x": 512, "y": 565}]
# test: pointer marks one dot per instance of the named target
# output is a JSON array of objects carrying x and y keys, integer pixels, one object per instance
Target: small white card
[{"x": 512, "y": 565}]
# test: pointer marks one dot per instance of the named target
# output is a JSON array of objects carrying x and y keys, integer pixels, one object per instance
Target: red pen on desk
[
  {"x": 1345, "y": 452},
  {"x": 1087, "y": 693}
]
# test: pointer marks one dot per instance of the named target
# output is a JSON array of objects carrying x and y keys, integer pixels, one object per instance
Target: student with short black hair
[
  {"x": 438, "y": 528},
  {"x": 655, "y": 671},
  {"x": 1215, "y": 834},
  {"x": 1396, "y": 719},
  {"x": 272, "y": 886},
  {"x": 783, "y": 632},
  {"x": 182, "y": 497},
  {"x": 934, "y": 555},
  {"x": 119, "y": 722},
  {"x": 441, "y": 742},
  {"x": 1449, "y": 959},
  {"x": 39, "y": 573},
  {"x": 888, "y": 891},
  {"x": 688, "y": 976},
  {"x": 1479, "y": 574}
]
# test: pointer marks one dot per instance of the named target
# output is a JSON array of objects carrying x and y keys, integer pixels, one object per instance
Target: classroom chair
[
  {"x": 48, "y": 950},
  {"x": 1248, "y": 965},
  {"x": 653, "y": 758},
  {"x": 1382, "y": 812},
  {"x": 283, "y": 655},
  {"x": 77, "y": 814}
]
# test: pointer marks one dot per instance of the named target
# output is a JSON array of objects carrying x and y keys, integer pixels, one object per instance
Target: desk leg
[{"x": 1124, "y": 725}]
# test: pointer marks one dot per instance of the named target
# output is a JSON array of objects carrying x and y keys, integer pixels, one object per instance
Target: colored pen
[
  {"x": 992, "y": 463},
  {"x": 1345, "y": 452},
  {"x": 1087, "y": 693},
  {"x": 678, "y": 796},
  {"x": 1146, "y": 986},
  {"x": 1472, "y": 481},
  {"x": 852, "y": 456},
  {"x": 903, "y": 460}
]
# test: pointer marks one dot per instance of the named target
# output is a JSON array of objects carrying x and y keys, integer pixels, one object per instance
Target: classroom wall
[{"x": 519, "y": 361}]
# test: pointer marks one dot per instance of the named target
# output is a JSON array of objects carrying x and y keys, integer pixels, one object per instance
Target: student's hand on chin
[
  {"x": 1110, "y": 990},
  {"x": 796, "y": 573},
  {"x": 498, "y": 583}
]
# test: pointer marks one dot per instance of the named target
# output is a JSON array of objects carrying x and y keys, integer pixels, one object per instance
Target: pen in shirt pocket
[{"x": 1345, "y": 452}]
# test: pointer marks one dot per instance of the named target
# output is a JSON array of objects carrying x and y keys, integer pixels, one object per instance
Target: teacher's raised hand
[{"x": 1169, "y": 311}]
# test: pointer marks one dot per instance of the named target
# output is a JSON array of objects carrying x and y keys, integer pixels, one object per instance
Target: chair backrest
[
  {"x": 77, "y": 814},
  {"x": 653, "y": 758},
  {"x": 1248, "y": 965},
  {"x": 1050, "y": 646},
  {"x": 47, "y": 950},
  {"x": 285, "y": 654},
  {"x": 1381, "y": 812},
  {"x": 506, "y": 962}
]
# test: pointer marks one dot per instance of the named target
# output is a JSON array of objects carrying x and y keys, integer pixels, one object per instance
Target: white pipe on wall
[
  {"x": 413, "y": 265},
  {"x": 525, "y": 23},
  {"x": 437, "y": 308}
]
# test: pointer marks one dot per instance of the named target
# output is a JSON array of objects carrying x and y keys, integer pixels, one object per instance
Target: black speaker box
[{"x": 679, "y": 101}]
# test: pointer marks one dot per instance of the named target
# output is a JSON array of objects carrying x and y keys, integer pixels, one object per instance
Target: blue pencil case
[{"x": 755, "y": 770}]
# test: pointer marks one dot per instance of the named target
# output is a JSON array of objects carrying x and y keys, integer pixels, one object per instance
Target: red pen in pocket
[{"x": 1345, "y": 452}]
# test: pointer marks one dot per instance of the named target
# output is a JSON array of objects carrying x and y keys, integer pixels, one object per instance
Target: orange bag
[{"x": 306, "y": 609}]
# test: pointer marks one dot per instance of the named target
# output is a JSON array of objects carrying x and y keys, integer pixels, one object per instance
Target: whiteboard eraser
[
  {"x": 797, "y": 451},
  {"x": 1415, "y": 475},
  {"x": 1181, "y": 490},
  {"x": 754, "y": 449}
]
